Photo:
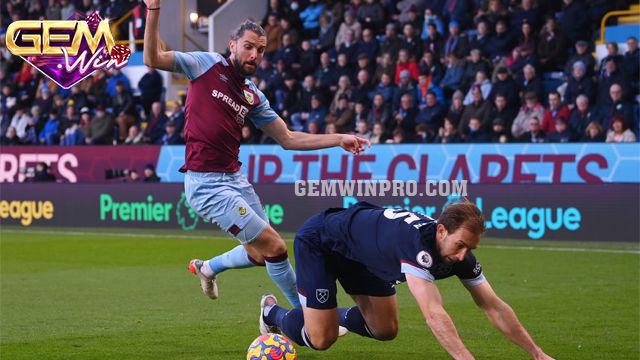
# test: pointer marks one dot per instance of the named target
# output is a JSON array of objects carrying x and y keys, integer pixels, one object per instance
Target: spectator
[
  {"x": 560, "y": 133},
  {"x": 177, "y": 115},
  {"x": 579, "y": 84},
  {"x": 527, "y": 12},
  {"x": 619, "y": 131},
  {"x": 499, "y": 133},
  {"x": 423, "y": 134},
  {"x": 115, "y": 78},
  {"x": 608, "y": 78},
  {"x": 386, "y": 88},
  {"x": 20, "y": 121},
  {"x": 360, "y": 92},
  {"x": 288, "y": 98},
  {"x": 156, "y": 124},
  {"x": 531, "y": 109},
  {"x": 612, "y": 54},
  {"x": 325, "y": 73},
  {"x": 342, "y": 115},
  {"x": 506, "y": 86},
  {"x": 593, "y": 133},
  {"x": 369, "y": 45},
  {"x": 501, "y": 110},
  {"x": 172, "y": 137},
  {"x": 49, "y": 134},
  {"x": 391, "y": 43},
  {"x": 433, "y": 41},
  {"x": 555, "y": 111},
  {"x": 360, "y": 112},
  {"x": 294, "y": 35},
  {"x": 581, "y": 116},
  {"x": 67, "y": 9},
  {"x": 574, "y": 21},
  {"x": 380, "y": 112},
  {"x": 343, "y": 68},
  {"x": 457, "y": 43},
  {"x": 274, "y": 34},
  {"x": 101, "y": 129},
  {"x": 73, "y": 134},
  {"x": 363, "y": 64},
  {"x": 530, "y": 83},
  {"x": 454, "y": 113},
  {"x": 431, "y": 17},
  {"x": 349, "y": 24},
  {"x": 405, "y": 87},
  {"x": 371, "y": 14},
  {"x": 552, "y": 47},
  {"x": 134, "y": 136},
  {"x": 318, "y": 112},
  {"x": 77, "y": 98},
  {"x": 501, "y": 42},
  {"x": 287, "y": 53},
  {"x": 405, "y": 117},
  {"x": 344, "y": 89},
  {"x": 11, "y": 137},
  {"x": 410, "y": 40},
  {"x": 399, "y": 137},
  {"x": 326, "y": 35},
  {"x": 330, "y": 129},
  {"x": 459, "y": 11},
  {"x": 150, "y": 174},
  {"x": 528, "y": 41},
  {"x": 53, "y": 11},
  {"x": 615, "y": 105},
  {"x": 481, "y": 82},
  {"x": 310, "y": 18},
  {"x": 313, "y": 128},
  {"x": 308, "y": 62},
  {"x": 385, "y": 66},
  {"x": 43, "y": 173},
  {"x": 631, "y": 65},
  {"x": 349, "y": 47},
  {"x": 479, "y": 109},
  {"x": 448, "y": 134},
  {"x": 475, "y": 133},
  {"x": 151, "y": 87},
  {"x": 362, "y": 129},
  {"x": 379, "y": 135},
  {"x": 583, "y": 55},
  {"x": 432, "y": 114},
  {"x": 406, "y": 63},
  {"x": 133, "y": 176},
  {"x": 432, "y": 67},
  {"x": 535, "y": 134},
  {"x": 481, "y": 38},
  {"x": 124, "y": 107},
  {"x": 474, "y": 64},
  {"x": 453, "y": 76}
]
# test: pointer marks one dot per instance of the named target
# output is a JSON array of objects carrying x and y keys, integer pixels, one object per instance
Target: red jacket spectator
[
  {"x": 404, "y": 63},
  {"x": 554, "y": 112}
]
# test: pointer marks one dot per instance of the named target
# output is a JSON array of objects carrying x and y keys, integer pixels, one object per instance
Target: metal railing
[{"x": 611, "y": 14}]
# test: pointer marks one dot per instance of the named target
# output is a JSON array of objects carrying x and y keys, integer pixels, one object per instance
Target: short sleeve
[
  {"x": 469, "y": 271},
  {"x": 415, "y": 270},
  {"x": 196, "y": 63},
  {"x": 262, "y": 114}
]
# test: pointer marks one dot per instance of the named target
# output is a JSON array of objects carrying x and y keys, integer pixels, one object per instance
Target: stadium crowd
[{"x": 410, "y": 71}]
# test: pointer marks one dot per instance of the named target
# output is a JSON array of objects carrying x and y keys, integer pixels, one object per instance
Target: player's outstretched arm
[
  {"x": 504, "y": 319},
  {"x": 152, "y": 54},
  {"x": 295, "y": 140},
  {"x": 430, "y": 303}
]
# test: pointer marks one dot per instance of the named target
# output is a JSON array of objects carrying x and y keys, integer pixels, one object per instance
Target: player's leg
[
  {"x": 269, "y": 247},
  {"x": 316, "y": 324},
  {"x": 376, "y": 315}
]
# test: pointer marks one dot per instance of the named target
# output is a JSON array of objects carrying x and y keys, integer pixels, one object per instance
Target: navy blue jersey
[{"x": 392, "y": 243}]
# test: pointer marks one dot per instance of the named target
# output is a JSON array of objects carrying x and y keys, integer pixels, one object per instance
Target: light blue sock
[
  {"x": 236, "y": 258},
  {"x": 281, "y": 272}
]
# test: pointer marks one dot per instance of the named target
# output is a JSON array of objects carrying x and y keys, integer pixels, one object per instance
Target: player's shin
[
  {"x": 236, "y": 258},
  {"x": 290, "y": 322},
  {"x": 352, "y": 319},
  {"x": 281, "y": 272}
]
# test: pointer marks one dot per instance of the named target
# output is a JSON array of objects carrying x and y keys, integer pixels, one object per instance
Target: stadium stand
[{"x": 328, "y": 61}]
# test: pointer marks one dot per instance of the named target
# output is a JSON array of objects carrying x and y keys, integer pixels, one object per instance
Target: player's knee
[
  {"x": 388, "y": 332},
  {"x": 323, "y": 341}
]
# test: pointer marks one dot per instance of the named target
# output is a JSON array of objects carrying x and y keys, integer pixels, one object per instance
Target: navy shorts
[{"x": 317, "y": 270}]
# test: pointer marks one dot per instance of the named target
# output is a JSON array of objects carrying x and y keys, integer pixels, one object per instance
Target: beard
[{"x": 242, "y": 69}]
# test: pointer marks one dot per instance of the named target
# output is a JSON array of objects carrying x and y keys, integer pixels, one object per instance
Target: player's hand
[
  {"x": 354, "y": 144},
  {"x": 152, "y": 3}
]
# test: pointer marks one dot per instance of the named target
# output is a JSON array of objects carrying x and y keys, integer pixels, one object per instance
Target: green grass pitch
[{"x": 108, "y": 294}]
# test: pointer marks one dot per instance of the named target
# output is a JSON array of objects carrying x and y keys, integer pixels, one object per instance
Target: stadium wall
[
  {"x": 583, "y": 212},
  {"x": 265, "y": 164}
]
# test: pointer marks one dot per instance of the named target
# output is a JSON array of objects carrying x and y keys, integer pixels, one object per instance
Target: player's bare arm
[
  {"x": 430, "y": 302},
  {"x": 504, "y": 319},
  {"x": 153, "y": 55},
  {"x": 294, "y": 140}
]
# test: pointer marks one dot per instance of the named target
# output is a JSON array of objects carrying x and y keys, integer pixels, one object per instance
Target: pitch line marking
[{"x": 163, "y": 236}]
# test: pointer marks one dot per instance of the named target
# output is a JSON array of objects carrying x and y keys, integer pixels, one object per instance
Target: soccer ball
[{"x": 271, "y": 347}]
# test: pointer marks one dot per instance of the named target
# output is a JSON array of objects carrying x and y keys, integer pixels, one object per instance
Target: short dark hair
[
  {"x": 247, "y": 25},
  {"x": 463, "y": 214}
]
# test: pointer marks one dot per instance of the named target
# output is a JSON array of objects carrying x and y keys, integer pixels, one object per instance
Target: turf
[{"x": 112, "y": 295}]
